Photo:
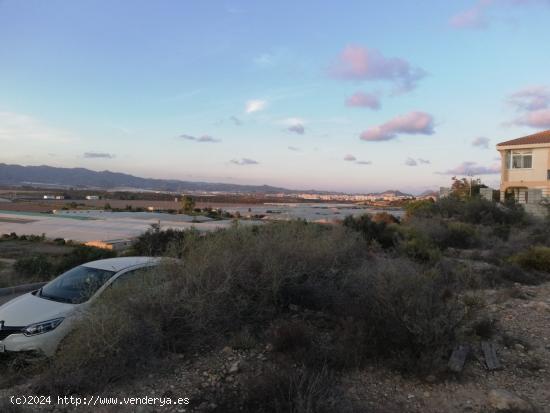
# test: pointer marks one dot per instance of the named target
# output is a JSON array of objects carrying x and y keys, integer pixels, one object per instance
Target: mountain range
[{"x": 85, "y": 178}]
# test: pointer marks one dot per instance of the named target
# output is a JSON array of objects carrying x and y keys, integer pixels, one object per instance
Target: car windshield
[{"x": 76, "y": 286}]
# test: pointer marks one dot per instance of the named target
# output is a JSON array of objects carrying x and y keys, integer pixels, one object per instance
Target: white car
[{"x": 39, "y": 320}]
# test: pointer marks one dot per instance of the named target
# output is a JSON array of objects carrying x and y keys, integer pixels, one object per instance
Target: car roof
[{"x": 119, "y": 264}]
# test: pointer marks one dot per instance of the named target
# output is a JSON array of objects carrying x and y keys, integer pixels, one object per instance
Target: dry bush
[
  {"x": 289, "y": 336},
  {"x": 385, "y": 217},
  {"x": 244, "y": 278},
  {"x": 535, "y": 258},
  {"x": 6, "y": 406},
  {"x": 406, "y": 314},
  {"x": 289, "y": 390},
  {"x": 230, "y": 280},
  {"x": 18, "y": 367},
  {"x": 445, "y": 234}
]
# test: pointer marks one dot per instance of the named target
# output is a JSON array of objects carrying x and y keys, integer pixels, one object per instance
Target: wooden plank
[
  {"x": 489, "y": 352},
  {"x": 458, "y": 358}
]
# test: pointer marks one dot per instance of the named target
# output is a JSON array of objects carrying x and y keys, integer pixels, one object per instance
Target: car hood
[{"x": 28, "y": 309}]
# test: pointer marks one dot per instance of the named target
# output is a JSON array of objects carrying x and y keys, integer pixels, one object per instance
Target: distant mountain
[
  {"x": 429, "y": 193},
  {"x": 391, "y": 192},
  {"x": 86, "y": 178}
]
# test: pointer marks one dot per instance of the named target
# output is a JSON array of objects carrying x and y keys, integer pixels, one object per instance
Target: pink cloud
[
  {"x": 535, "y": 119},
  {"x": 531, "y": 98},
  {"x": 413, "y": 123},
  {"x": 533, "y": 103},
  {"x": 360, "y": 63},
  {"x": 472, "y": 168},
  {"x": 472, "y": 18},
  {"x": 477, "y": 16},
  {"x": 363, "y": 100}
]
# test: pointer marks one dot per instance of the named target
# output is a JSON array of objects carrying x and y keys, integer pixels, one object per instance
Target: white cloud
[
  {"x": 24, "y": 128},
  {"x": 255, "y": 105}
]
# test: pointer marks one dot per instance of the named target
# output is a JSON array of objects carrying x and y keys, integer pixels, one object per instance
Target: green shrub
[
  {"x": 245, "y": 279},
  {"x": 417, "y": 243},
  {"x": 157, "y": 242},
  {"x": 535, "y": 258},
  {"x": 473, "y": 210},
  {"x": 385, "y": 217},
  {"x": 460, "y": 235},
  {"x": 34, "y": 268},
  {"x": 372, "y": 231},
  {"x": 231, "y": 280},
  {"x": 442, "y": 233},
  {"x": 406, "y": 315},
  {"x": 421, "y": 208}
]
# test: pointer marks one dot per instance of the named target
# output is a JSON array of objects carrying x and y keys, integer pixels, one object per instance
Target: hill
[{"x": 85, "y": 178}]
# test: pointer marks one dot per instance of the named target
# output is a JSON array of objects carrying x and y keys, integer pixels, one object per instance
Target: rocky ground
[{"x": 521, "y": 334}]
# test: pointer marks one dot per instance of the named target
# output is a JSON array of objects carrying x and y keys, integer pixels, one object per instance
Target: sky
[{"x": 352, "y": 96}]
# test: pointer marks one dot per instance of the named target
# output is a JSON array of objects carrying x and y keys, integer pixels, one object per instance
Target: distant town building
[
  {"x": 92, "y": 197},
  {"x": 114, "y": 244},
  {"x": 486, "y": 193},
  {"x": 49, "y": 196}
]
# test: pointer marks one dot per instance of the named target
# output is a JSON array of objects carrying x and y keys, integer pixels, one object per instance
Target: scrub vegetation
[{"x": 326, "y": 299}]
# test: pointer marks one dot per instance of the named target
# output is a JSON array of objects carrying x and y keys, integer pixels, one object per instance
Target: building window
[{"x": 521, "y": 160}]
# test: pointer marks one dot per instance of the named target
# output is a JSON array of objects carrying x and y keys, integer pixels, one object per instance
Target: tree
[
  {"x": 464, "y": 188},
  {"x": 188, "y": 204}
]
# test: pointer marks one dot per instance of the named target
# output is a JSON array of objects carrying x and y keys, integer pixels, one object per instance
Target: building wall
[
  {"x": 536, "y": 173},
  {"x": 535, "y": 177}
]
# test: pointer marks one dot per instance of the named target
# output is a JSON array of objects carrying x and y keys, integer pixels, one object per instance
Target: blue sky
[{"x": 350, "y": 96}]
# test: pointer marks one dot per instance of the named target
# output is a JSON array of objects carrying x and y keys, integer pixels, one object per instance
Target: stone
[
  {"x": 227, "y": 350},
  {"x": 519, "y": 347},
  {"x": 234, "y": 367},
  {"x": 293, "y": 307},
  {"x": 542, "y": 307},
  {"x": 431, "y": 378},
  {"x": 503, "y": 400}
]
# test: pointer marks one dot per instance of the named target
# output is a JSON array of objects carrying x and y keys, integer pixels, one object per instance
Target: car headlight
[{"x": 42, "y": 327}]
